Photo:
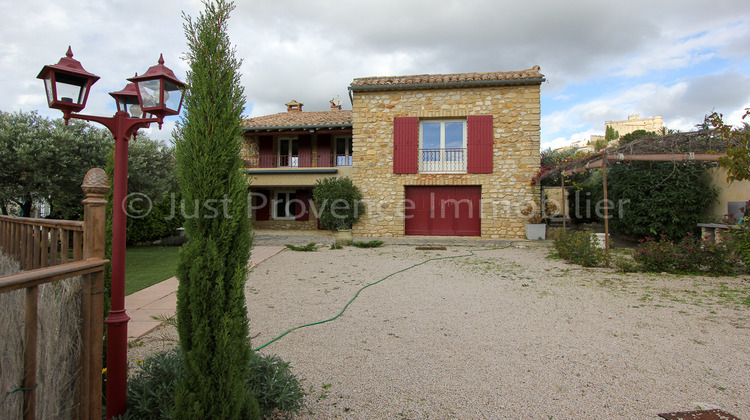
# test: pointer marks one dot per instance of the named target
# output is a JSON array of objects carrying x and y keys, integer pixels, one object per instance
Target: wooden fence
[
  {"x": 39, "y": 243},
  {"x": 53, "y": 250}
]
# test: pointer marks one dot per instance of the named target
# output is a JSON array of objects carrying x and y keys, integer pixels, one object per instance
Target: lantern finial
[
  {"x": 161, "y": 59},
  {"x": 69, "y": 54}
]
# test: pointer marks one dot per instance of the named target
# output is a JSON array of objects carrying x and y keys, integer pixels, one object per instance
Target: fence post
[
  {"x": 95, "y": 186},
  {"x": 29, "y": 353}
]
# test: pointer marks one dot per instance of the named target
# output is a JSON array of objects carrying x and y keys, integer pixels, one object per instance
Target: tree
[
  {"x": 635, "y": 135},
  {"x": 211, "y": 310},
  {"x": 24, "y": 143},
  {"x": 611, "y": 134},
  {"x": 45, "y": 160},
  {"x": 154, "y": 199},
  {"x": 78, "y": 147},
  {"x": 737, "y": 159}
]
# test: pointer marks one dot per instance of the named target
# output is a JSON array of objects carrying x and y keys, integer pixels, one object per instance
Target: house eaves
[
  {"x": 306, "y": 127},
  {"x": 472, "y": 83}
]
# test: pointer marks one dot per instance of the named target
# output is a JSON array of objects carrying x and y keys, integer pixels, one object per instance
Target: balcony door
[{"x": 288, "y": 152}]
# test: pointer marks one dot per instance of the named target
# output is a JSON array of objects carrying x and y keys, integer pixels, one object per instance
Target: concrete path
[{"x": 160, "y": 300}]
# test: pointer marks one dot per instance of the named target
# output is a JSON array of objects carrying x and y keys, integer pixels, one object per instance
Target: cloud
[
  {"x": 684, "y": 104},
  {"x": 311, "y": 51}
]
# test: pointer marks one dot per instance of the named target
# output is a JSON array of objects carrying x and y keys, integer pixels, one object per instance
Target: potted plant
[
  {"x": 340, "y": 206},
  {"x": 535, "y": 228}
]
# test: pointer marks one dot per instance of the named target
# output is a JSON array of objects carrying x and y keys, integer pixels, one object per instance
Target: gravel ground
[{"x": 505, "y": 333}]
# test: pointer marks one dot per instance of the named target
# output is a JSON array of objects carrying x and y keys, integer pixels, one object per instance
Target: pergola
[{"x": 694, "y": 146}]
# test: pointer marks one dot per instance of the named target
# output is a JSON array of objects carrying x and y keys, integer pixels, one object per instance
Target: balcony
[
  {"x": 298, "y": 161},
  {"x": 446, "y": 160}
]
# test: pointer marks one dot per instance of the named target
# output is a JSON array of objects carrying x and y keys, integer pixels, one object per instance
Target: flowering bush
[
  {"x": 579, "y": 247},
  {"x": 688, "y": 256},
  {"x": 739, "y": 240}
]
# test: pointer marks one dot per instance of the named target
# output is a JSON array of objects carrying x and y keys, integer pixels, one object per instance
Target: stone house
[{"x": 442, "y": 155}]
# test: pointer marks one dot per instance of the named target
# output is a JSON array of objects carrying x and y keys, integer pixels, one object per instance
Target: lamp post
[{"x": 148, "y": 99}]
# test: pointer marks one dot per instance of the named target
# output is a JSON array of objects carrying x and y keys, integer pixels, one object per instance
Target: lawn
[{"x": 148, "y": 265}]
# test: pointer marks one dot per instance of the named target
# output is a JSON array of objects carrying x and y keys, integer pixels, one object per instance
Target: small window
[
  {"x": 442, "y": 146},
  {"x": 284, "y": 206}
]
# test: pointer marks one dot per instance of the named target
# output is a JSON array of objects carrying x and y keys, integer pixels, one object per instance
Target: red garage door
[{"x": 445, "y": 211}]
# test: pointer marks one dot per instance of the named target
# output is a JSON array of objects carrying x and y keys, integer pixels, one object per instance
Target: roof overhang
[
  {"x": 448, "y": 85},
  {"x": 309, "y": 128}
]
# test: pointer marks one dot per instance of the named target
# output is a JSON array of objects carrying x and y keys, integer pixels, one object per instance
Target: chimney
[
  {"x": 294, "y": 106},
  {"x": 335, "y": 103}
]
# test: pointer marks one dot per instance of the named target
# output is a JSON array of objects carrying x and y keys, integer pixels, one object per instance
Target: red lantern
[
  {"x": 67, "y": 84},
  {"x": 159, "y": 90},
  {"x": 127, "y": 101}
]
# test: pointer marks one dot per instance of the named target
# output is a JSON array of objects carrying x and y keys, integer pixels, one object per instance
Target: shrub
[
  {"x": 626, "y": 264},
  {"x": 339, "y": 202},
  {"x": 160, "y": 219},
  {"x": 688, "y": 256},
  {"x": 274, "y": 385},
  {"x": 739, "y": 240},
  {"x": 653, "y": 198},
  {"x": 371, "y": 244},
  {"x": 307, "y": 248},
  {"x": 151, "y": 391},
  {"x": 579, "y": 247}
]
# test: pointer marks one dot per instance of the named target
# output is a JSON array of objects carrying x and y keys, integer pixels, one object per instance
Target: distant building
[{"x": 635, "y": 122}]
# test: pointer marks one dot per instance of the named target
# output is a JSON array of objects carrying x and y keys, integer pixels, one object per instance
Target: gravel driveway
[{"x": 505, "y": 333}]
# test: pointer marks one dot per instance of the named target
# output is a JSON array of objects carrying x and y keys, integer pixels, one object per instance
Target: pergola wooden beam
[{"x": 652, "y": 157}]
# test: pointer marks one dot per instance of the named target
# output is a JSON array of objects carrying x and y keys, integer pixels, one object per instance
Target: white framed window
[
  {"x": 288, "y": 151},
  {"x": 342, "y": 149},
  {"x": 442, "y": 146},
  {"x": 284, "y": 205}
]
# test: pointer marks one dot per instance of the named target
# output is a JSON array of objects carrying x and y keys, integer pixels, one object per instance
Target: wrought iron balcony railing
[
  {"x": 446, "y": 160},
  {"x": 298, "y": 161}
]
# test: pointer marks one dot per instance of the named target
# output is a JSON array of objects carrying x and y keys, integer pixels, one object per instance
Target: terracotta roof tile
[
  {"x": 531, "y": 74},
  {"x": 300, "y": 119}
]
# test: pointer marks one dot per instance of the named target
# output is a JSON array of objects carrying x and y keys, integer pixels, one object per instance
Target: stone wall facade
[{"x": 516, "y": 128}]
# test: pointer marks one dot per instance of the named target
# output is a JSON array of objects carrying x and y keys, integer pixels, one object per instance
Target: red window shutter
[
  {"x": 305, "y": 152},
  {"x": 324, "y": 150},
  {"x": 265, "y": 149},
  {"x": 479, "y": 141},
  {"x": 262, "y": 198},
  {"x": 405, "y": 145},
  {"x": 302, "y": 211}
]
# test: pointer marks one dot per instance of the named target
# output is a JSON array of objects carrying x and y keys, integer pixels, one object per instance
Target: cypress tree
[{"x": 211, "y": 312}]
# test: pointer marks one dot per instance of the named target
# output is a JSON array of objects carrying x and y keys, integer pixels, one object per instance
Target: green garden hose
[{"x": 471, "y": 253}]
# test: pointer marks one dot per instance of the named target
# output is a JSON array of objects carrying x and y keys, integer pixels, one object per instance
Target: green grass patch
[{"x": 148, "y": 265}]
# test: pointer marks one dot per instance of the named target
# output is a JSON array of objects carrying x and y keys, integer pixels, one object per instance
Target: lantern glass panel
[
  {"x": 48, "y": 88},
  {"x": 172, "y": 96},
  {"x": 70, "y": 88},
  {"x": 135, "y": 111},
  {"x": 149, "y": 91}
]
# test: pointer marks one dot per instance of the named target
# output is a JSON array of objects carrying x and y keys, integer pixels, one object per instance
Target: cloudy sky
[{"x": 603, "y": 60}]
